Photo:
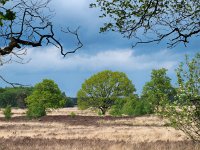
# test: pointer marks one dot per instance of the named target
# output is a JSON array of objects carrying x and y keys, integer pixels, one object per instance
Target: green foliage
[
  {"x": 117, "y": 108},
  {"x": 137, "y": 108},
  {"x": 131, "y": 106},
  {"x": 7, "y": 112},
  {"x": 45, "y": 95},
  {"x": 6, "y": 14},
  {"x": 102, "y": 89},
  {"x": 184, "y": 113},
  {"x": 141, "y": 19},
  {"x": 36, "y": 110},
  {"x": 14, "y": 96},
  {"x": 159, "y": 90},
  {"x": 99, "y": 113},
  {"x": 68, "y": 101},
  {"x": 72, "y": 114}
]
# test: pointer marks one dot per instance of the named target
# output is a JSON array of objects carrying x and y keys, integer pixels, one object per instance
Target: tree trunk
[{"x": 103, "y": 110}]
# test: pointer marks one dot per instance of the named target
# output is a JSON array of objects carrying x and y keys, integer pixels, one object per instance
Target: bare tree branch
[
  {"x": 32, "y": 27},
  {"x": 11, "y": 83}
]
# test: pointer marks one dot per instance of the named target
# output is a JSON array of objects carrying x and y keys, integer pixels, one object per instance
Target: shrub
[
  {"x": 137, "y": 107},
  {"x": 132, "y": 106},
  {"x": 142, "y": 108},
  {"x": 72, "y": 114},
  {"x": 116, "y": 109},
  {"x": 36, "y": 110},
  {"x": 7, "y": 112}
]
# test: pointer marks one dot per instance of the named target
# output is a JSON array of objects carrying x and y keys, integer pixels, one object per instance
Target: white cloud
[{"x": 50, "y": 59}]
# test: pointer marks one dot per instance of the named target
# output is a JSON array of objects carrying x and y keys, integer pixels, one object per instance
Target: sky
[{"x": 101, "y": 51}]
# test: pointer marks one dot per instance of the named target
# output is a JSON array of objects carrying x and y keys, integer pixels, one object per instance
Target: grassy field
[{"x": 60, "y": 131}]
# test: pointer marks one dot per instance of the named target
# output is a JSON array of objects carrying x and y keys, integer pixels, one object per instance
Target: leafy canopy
[
  {"x": 149, "y": 21},
  {"x": 45, "y": 95},
  {"x": 159, "y": 90},
  {"x": 102, "y": 89}
]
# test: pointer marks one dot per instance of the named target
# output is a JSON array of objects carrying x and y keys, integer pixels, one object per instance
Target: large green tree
[
  {"x": 159, "y": 90},
  {"x": 45, "y": 95},
  {"x": 149, "y": 21},
  {"x": 102, "y": 89}
]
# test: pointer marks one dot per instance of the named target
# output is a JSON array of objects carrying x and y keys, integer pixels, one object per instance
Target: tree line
[{"x": 15, "y": 97}]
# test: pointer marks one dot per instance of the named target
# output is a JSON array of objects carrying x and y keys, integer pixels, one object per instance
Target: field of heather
[{"x": 60, "y": 130}]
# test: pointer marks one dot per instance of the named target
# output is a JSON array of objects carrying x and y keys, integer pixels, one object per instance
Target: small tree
[
  {"x": 45, "y": 95},
  {"x": 184, "y": 113},
  {"x": 102, "y": 89},
  {"x": 159, "y": 90}
]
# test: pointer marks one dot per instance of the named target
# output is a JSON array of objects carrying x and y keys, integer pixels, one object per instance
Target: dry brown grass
[
  {"x": 91, "y": 144},
  {"x": 91, "y": 132}
]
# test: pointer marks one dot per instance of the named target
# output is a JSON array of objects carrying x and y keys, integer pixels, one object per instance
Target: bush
[
  {"x": 72, "y": 114},
  {"x": 135, "y": 107},
  {"x": 142, "y": 108},
  {"x": 116, "y": 109},
  {"x": 36, "y": 110},
  {"x": 132, "y": 106},
  {"x": 7, "y": 112}
]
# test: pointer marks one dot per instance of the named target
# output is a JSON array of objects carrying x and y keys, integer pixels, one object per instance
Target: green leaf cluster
[
  {"x": 144, "y": 20},
  {"x": 6, "y": 14}
]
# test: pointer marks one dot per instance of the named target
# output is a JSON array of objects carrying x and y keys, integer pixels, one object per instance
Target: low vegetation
[
  {"x": 131, "y": 106},
  {"x": 7, "y": 112},
  {"x": 86, "y": 130}
]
